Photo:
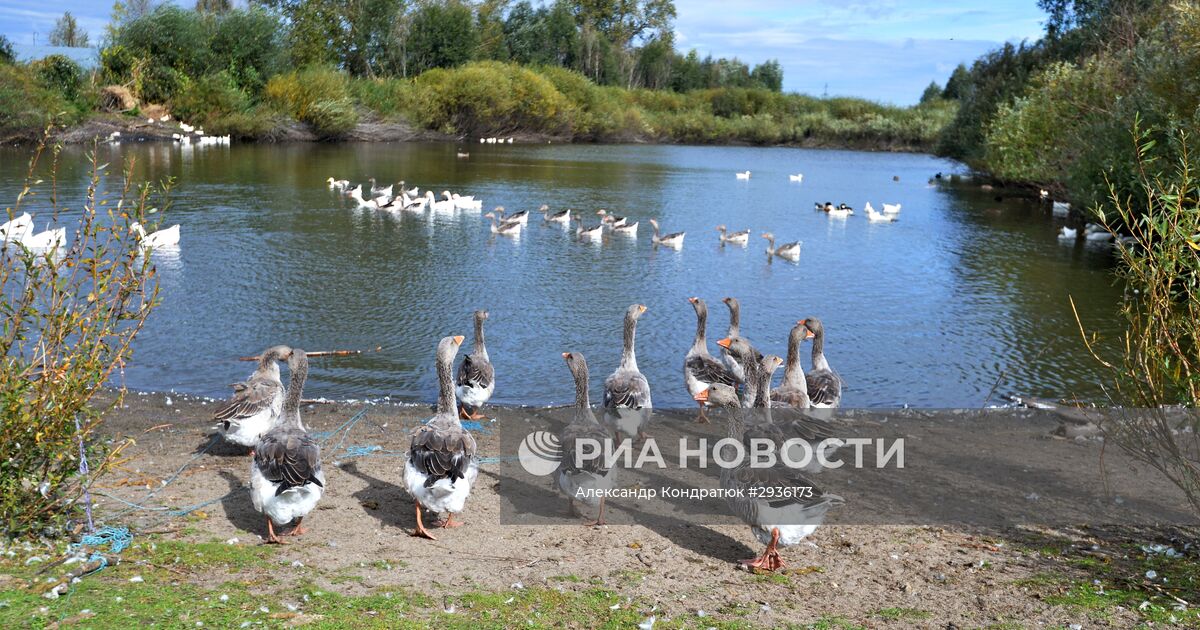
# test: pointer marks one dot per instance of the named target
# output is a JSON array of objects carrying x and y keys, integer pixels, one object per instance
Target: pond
[{"x": 961, "y": 296}]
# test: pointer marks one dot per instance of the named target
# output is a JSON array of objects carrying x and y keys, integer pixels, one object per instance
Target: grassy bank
[{"x": 488, "y": 99}]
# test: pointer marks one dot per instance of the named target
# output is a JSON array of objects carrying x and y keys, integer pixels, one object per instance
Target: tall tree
[
  {"x": 67, "y": 33},
  {"x": 441, "y": 36},
  {"x": 213, "y": 6},
  {"x": 768, "y": 74},
  {"x": 124, "y": 11},
  {"x": 623, "y": 21}
]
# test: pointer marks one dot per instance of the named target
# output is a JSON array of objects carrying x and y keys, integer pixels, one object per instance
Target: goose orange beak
[
  {"x": 809, "y": 335},
  {"x": 566, "y": 355},
  {"x": 458, "y": 339},
  {"x": 693, "y": 300},
  {"x": 702, "y": 396},
  {"x": 724, "y": 343},
  {"x": 642, "y": 308}
]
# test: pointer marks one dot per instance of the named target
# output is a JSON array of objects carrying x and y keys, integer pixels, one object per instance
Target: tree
[
  {"x": 7, "y": 54},
  {"x": 562, "y": 37},
  {"x": 956, "y": 85},
  {"x": 67, "y": 33},
  {"x": 125, "y": 11},
  {"x": 623, "y": 21},
  {"x": 768, "y": 74},
  {"x": 442, "y": 36},
  {"x": 932, "y": 93},
  {"x": 213, "y": 6}
]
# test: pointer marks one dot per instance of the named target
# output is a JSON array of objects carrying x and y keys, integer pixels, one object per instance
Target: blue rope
[{"x": 117, "y": 539}]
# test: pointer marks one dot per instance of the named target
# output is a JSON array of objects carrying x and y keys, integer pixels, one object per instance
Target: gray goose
[
  {"x": 780, "y": 504},
  {"x": 700, "y": 369},
  {"x": 626, "y": 391},
  {"x": 506, "y": 228},
  {"x": 256, "y": 402},
  {"x": 574, "y": 475},
  {"x": 476, "y": 379},
  {"x": 441, "y": 466},
  {"x": 793, "y": 391},
  {"x": 562, "y": 216},
  {"x": 286, "y": 479},
  {"x": 735, "y": 330},
  {"x": 674, "y": 239},
  {"x": 824, "y": 386},
  {"x": 737, "y": 238},
  {"x": 787, "y": 251},
  {"x": 718, "y": 395}
]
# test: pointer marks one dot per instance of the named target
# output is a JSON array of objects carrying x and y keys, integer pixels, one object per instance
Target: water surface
[{"x": 963, "y": 295}]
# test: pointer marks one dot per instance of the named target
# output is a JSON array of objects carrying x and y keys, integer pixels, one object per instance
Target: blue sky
[{"x": 886, "y": 50}]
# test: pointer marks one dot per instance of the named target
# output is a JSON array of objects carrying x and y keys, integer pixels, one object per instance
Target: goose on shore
[
  {"x": 718, "y": 395},
  {"x": 626, "y": 391},
  {"x": 793, "y": 391},
  {"x": 787, "y": 251},
  {"x": 700, "y": 369},
  {"x": 740, "y": 347},
  {"x": 286, "y": 480},
  {"x": 824, "y": 386},
  {"x": 159, "y": 239},
  {"x": 476, "y": 379},
  {"x": 743, "y": 175},
  {"x": 256, "y": 402},
  {"x": 504, "y": 229},
  {"x": 16, "y": 229},
  {"x": 583, "y": 480},
  {"x": 562, "y": 216},
  {"x": 765, "y": 497},
  {"x": 441, "y": 466},
  {"x": 674, "y": 239},
  {"x": 734, "y": 330},
  {"x": 737, "y": 238}
]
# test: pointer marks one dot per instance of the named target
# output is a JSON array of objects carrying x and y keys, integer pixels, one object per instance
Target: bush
[
  {"x": 319, "y": 97},
  {"x": 389, "y": 98},
  {"x": 7, "y": 54},
  {"x": 60, "y": 73},
  {"x": 69, "y": 320},
  {"x": 26, "y": 107},
  {"x": 488, "y": 98},
  {"x": 209, "y": 98}
]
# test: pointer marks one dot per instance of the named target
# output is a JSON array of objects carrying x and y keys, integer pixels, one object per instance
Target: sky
[{"x": 884, "y": 50}]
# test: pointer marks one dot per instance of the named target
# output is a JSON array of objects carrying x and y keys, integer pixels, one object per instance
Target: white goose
[
  {"x": 891, "y": 208},
  {"x": 877, "y": 217},
  {"x": 841, "y": 211},
  {"x": 439, "y": 205},
  {"x": 593, "y": 233},
  {"x": 337, "y": 184},
  {"x": 521, "y": 216},
  {"x": 562, "y": 216},
  {"x": 611, "y": 219},
  {"x": 798, "y": 177},
  {"x": 49, "y": 239},
  {"x": 737, "y": 238},
  {"x": 1067, "y": 233},
  {"x": 629, "y": 229},
  {"x": 742, "y": 175},
  {"x": 17, "y": 229},
  {"x": 788, "y": 251},
  {"x": 466, "y": 203},
  {"x": 356, "y": 194},
  {"x": 159, "y": 239},
  {"x": 1060, "y": 208},
  {"x": 674, "y": 239}
]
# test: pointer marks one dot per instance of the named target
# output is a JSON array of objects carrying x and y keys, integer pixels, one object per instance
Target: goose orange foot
[{"x": 420, "y": 531}]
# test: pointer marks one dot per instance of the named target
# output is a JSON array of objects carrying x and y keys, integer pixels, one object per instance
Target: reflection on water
[{"x": 932, "y": 310}]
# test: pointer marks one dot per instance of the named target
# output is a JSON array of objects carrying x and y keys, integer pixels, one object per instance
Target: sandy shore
[{"x": 955, "y": 577}]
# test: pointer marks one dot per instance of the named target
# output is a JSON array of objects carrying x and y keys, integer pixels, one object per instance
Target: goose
[
  {"x": 337, "y": 184},
  {"x": 739, "y": 347},
  {"x": 700, "y": 369},
  {"x": 588, "y": 233},
  {"x": 718, "y": 395},
  {"x": 467, "y": 203},
  {"x": 441, "y": 465},
  {"x": 562, "y": 216},
  {"x": 670, "y": 240},
  {"x": 1092, "y": 228},
  {"x": 476, "y": 379},
  {"x": 438, "y": 205},
  {"x": 764, "y": 497},
  {"x": 737, "y": 238},
  {"x": 356, "y": 194},
  {"x": 626, "y": 391},
  {"x": 793, "y": 391},
  {"x": 611, "y": 219},
  {"x": 629, "y": 229},
  {"x": 404, "y": 203},
  {"x": 380, "y": 191},
  {"x": 580, "y": 479},
  {"x": 413, "y": 192},
  {"x": 1044, "y": 194},
  {"x": 1098, "y": 237},
  {"x": 841, "y": 211},
  {"x": 788, "y": 251},
  {"x": 743, "y": 175},
  {"x": 256, "y": 402},
  {"x": 16, "y": 229},
  {"x": 462, "y": 155},
  {"x": 1068, "y": 234},
  {"x": 521, "y": 217},
  {"x": 824, "y": 386},
  {"x": 286, "y": 480},
  {"x": 49, "y": 239},
  {"x": 877, "y": 217},
  {"x": 159, "y": 239},
  {"x": 1060, "y": 208},
  {"x": 506, "y": 229},
  {"x": 822, "y": 207},
  {"x": 735, "y": 329},
  {"x": 798, "y": 177},
  {"x": 891, "y": 208}
]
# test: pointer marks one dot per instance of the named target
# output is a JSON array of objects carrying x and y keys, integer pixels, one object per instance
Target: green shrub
[
  {"x": 7, "y": 54},
  {"x": 210, "y": 98},
  {"x": 58, "y": 72},
  {"x": 488, "y": 98},
  {"x": 319, "y": 97},
  {"x": 26, "y": 107},
  {"x": 390, "y": 98}
]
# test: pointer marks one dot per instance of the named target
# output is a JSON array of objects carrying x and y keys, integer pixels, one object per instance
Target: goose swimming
[
  {"x": 49, "y": 239},
  {"x": 337, "y": 184},
  {"x": 877, "y": 217},
  {"x": 476, "y": 379},
  {"x": 256, "y": 402},
  {"x": 380, "y": 191},
  {"x": 798, "y": 177},
  {"x": 611, "y": 219},
  {"x": 788, "y": 251},
  {"x": 891, "y": 208},
  {"x": 626, "y": 391},
  {"x": 743, "y": 175},
  {"x": 441, "y": 465},
  {"x": 674, "y": 239},
  {"x": 737, "y": 238},
  {"x": 286, "y": 480},
  {"x": 159, "y": 239},
  {"x": 16, "y": 229},
  {"x": 581, "y": 479},
  {"x": 505, "y": 229},
  {"x": 562, "y": 216},
  {"x": 521, "y": 217},
  {"x": 593, "y": 233}
]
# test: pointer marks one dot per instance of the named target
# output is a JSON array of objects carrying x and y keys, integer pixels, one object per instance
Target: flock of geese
[
  {"x": 442, "y": 462},
  {"x": 20, "y": 230},
  {"x": 397, "y": 198}
]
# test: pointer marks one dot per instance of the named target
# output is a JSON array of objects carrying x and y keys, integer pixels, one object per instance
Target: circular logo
[{"x": 539, "y": 453}]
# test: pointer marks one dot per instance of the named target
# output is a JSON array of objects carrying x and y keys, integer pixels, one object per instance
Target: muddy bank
[{"x": 951, "y": 576}]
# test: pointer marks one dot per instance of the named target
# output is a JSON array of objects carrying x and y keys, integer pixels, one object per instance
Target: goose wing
[
  {"x": 289, "y": 459},
  {"x": 474, "y": 371},
  {"x": 824, "y": 387},
  {"x": 628, "y": 389},
  {"x": 249, "y": 398},
  {"x": 708, "y": 370},
  {"x": 582, "y": 428},
  {"x": 441, "y": 452}
]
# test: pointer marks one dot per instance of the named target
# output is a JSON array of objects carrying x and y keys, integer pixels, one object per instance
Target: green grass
[
  {"x": 902, "y": 614},
  {"x": 834, "y": 623}
]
